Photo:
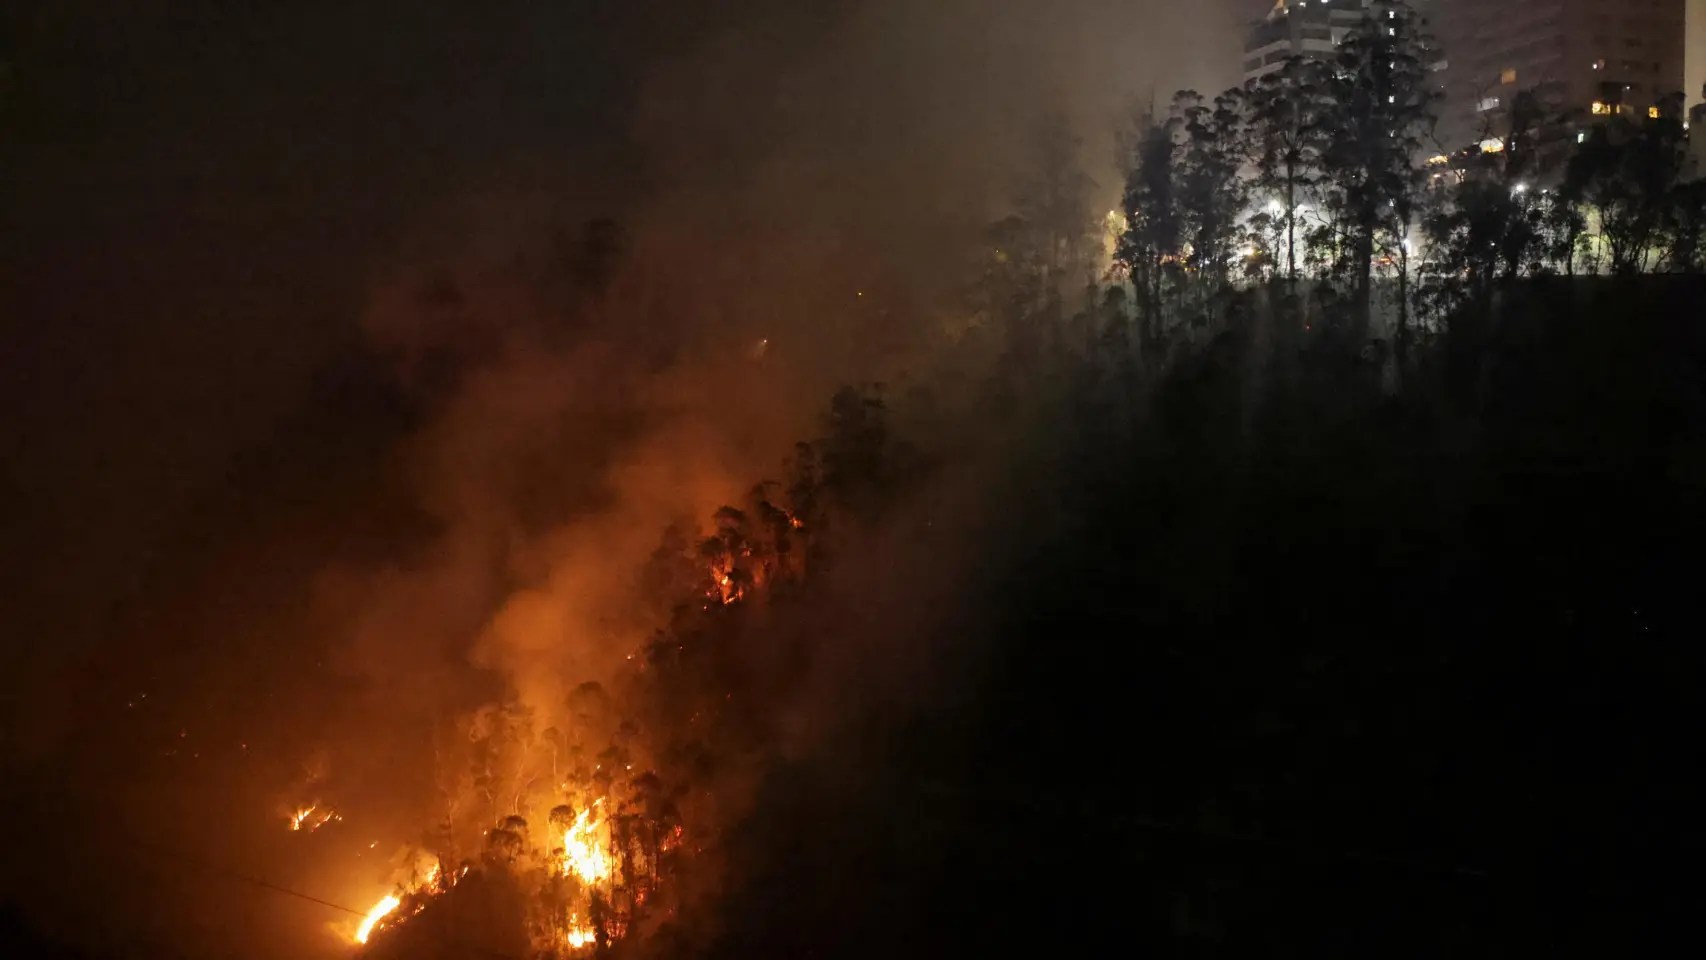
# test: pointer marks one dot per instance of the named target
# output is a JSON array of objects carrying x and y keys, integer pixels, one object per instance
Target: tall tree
[
  {"x": 1492, "y": 226},
  {"x": 1211, "y": 191},
  {"x": 1380, "y": 112},
  {"x": 1285, "y": 137},
  {"x": 1628, "y": 171},
  {"x": 1150, "y": 247}
]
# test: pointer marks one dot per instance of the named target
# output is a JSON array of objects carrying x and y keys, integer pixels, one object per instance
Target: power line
[
  {"x": 214, "y": 867},
  {"x": 211, "y": 866}
]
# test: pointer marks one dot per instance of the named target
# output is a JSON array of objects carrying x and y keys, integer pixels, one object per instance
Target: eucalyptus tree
[
  {"x": 1150, "y": 247},
  {"x": 1287, "y": 139},
  {"x": 1379, "y": 99}
]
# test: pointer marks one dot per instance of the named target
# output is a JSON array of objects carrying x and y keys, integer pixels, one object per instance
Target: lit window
[
  {"x": 1582, "y": 137},
  {"x": 1493, "y": 145},
  {"x": 1652, "y": 113},
  {"x": 1601, "y": 108},
  {"x": 1508, "y": 76},
  {"x": 1490, "y": 103}
]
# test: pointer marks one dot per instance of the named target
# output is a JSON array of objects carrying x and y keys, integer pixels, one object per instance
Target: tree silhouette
[
  {"x": 1628, "y": 171},
  {"x": 1287, "y": 140},
  {"x": 1150, "y": 248},
  {"x": 1379, "y": 110}
]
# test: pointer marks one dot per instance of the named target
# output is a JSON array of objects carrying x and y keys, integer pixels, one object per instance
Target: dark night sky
[
  {"x": 200, "y": 192},
  {"x": 199, "y": 195}
]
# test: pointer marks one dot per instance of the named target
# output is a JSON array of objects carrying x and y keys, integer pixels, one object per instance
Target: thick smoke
[{"x": 543, "y": 350}]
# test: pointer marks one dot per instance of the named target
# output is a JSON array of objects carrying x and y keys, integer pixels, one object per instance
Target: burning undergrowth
[
  {"x": 564, "y": 835},
  {"x": 569, "y": 681}
]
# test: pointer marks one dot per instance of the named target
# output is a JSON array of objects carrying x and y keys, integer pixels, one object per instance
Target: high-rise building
[
  {"x": 1696, "y": 56},
  {"x": 1697, "y": 138},
  {"x": 1586, "y": 58},
  {"x": 1307, "y": 28}
]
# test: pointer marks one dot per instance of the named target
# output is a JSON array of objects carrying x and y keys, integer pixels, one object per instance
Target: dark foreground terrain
[{"x": 1340, "y": 674}]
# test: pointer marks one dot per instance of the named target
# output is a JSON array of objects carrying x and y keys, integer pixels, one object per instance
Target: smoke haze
[{"x": 360, "y": 357}]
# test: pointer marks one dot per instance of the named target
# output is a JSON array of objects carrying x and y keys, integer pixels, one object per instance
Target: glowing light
[
  {"x": 383, "y": 912},
  {"x": 380, "y": 911},
  {"x": 312, "y": 818},
  {"x": 583, "y": 853},
  {"x": 578, "y": 936}
]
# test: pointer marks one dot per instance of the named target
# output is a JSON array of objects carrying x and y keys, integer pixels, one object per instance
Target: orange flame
[
  {"x": 389, "y": 903},
  {"x": 584, "y": 855},
  {"x": 578, "y": 936},
  {"x": 306, "y": 818},
  {"x": 380, "y": 911}
]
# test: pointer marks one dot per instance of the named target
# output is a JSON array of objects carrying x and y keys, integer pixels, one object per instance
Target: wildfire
[
  {"x": 380, "y": 911},
  {"x": 579, "y": 937},
  {"x": 583, "y": 854},
  {"x": 673, "y": 839},
  {"x": 389, "y": 903},
  {"x": 312, "y": 818}
]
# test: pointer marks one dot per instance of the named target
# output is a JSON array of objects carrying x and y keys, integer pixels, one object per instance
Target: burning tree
[{"x": 573, "y": 833}]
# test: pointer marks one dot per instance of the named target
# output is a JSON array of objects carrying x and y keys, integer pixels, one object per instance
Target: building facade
[
  {"x": 1696, "y": 56},
  {"x": 1585, "y": 58},
  {"x": 1306, "y": 28},
  {"x": 1697, "y": 137}
]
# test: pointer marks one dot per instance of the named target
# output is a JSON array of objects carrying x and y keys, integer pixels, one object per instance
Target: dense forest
[{"x": 1297, "y": 561}]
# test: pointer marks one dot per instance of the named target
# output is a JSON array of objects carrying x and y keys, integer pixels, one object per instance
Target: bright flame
[
  {"x": 312, "y": 818},
  {"x": 379, "y": 912},
  {"x": 578, "y": 936},
  {"x": 583, "y": 854}
]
